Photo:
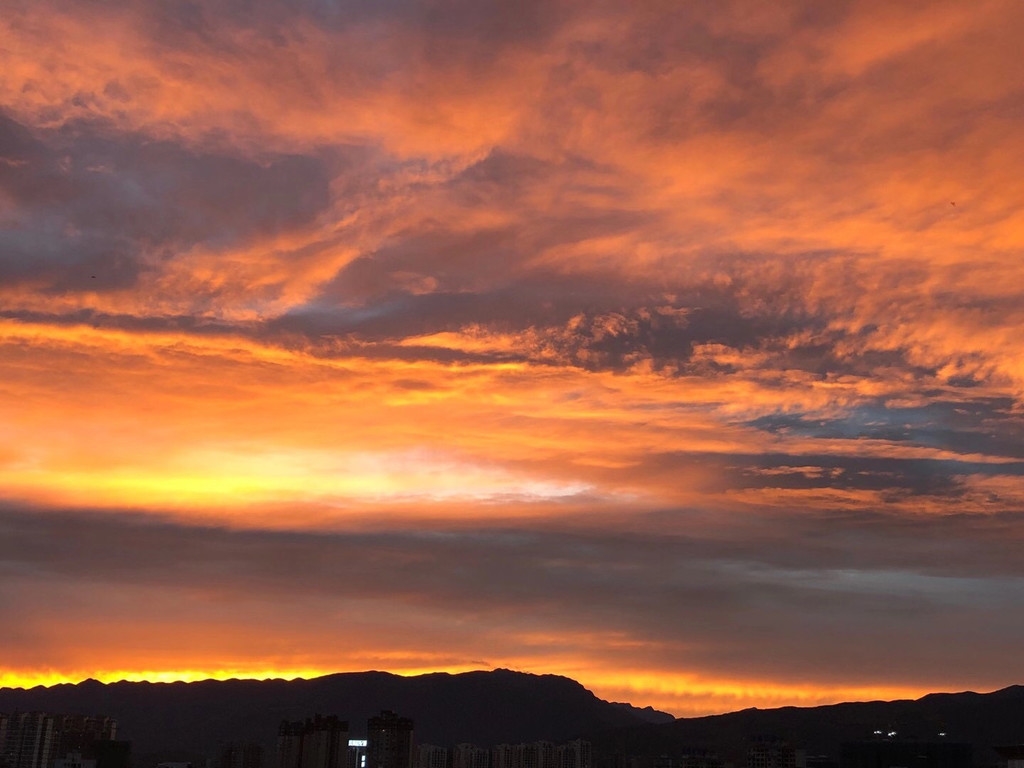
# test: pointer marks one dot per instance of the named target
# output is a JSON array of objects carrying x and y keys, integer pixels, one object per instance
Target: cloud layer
[{"x": 674, "y": 349}]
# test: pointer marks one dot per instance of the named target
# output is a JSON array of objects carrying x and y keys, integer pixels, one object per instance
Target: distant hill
[
  {"x": 984, "y": 720},
  {"x": 191, "y": 720}
]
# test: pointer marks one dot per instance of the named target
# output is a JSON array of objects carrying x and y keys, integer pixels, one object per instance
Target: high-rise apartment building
[
  {"x": 470, "y": 756},
  {"x": 431, "y": 756},
  {"x": 389, "y": 741},
  {"x": 320, "y": 742},
  {"x": 4, "y": 722},
  {"x": 538, "y": 754},
  {"x": 574, "y": 754},
  {"x": 771, "y": 753},
  {"x": 31, "y": 740},
  {"x": 77, "y": 733},
  {"x": 37, "y": 739}
]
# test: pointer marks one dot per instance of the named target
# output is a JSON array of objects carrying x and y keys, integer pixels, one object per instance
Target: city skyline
[{"x": 674, "y": 348}]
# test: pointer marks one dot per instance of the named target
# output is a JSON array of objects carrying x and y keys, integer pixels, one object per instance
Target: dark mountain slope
[
  {"x": 984, "y": 720},
  {"x": 480, "y": 707}
]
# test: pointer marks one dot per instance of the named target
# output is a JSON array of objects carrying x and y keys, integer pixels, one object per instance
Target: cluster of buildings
[
  {"x": 538, "y": 754},
  {"x": 699, "y": 758},
  {"x": 322, "y": 742},
  {"x": 885, "y": 752},
  {"x": 47, "y": 740}
]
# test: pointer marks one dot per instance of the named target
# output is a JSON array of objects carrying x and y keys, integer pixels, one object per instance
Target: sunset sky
[{"x": 676, "y": 347}]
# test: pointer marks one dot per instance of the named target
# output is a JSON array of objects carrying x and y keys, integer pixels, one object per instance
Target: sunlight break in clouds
[{"x": 673, "y": 348}]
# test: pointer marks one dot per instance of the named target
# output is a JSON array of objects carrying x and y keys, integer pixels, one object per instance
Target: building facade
[
  {"x": 389, "y": 741},
  {"x": 430, "y": 756},
  {"x": 31, "y": 740},
  {"x": 320, "y": 742},
  {"x": 770, "y": 753},
  {"x": 574, "y": 754},
  {"x": 39, "y": 739},
  {"x": 78, "y": 733},
  {"x": 470, "y": 756}
]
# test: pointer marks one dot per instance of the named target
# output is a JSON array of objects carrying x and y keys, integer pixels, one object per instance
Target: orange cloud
[{"x": 685, "y": 290}]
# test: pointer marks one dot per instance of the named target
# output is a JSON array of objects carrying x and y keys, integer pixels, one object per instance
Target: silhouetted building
[
  {"x": 289, "y": 744},
  {"x": 542, "y": 754},
  {"x": 321, "y": 742},
  {"x": 430, "y": 756},
  {"x": 469, "y": 756},
  {"x": 31, "y": 740},
  {"x": 574, "y": 754},
  {"x": 5, "y": 721},
  {"x": 77, "y": 733},
  {"x": 770, "y": 753},
  {"x": 39, "y": 739},
  {"x": 501, "y": 756},
  {"x": 538, "y": 754},
  {"x": 700, "y": 758},
  {"x": 906, "y": 754},
  {"x": 239, "y": 755},
  {"x": 389, "y": 741}
]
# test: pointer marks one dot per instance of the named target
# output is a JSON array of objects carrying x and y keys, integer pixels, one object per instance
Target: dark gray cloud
[
  {"x": 984, "y": 425},
  {"x": 92, "y": 209},
  {"x": 818, "y": 590}
]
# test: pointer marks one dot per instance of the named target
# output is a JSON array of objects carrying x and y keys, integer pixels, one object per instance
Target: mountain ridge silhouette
[{"x": 180, "y": 720}]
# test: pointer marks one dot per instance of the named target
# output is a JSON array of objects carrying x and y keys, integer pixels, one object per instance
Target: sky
[{"x": 670, "y": 346}]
